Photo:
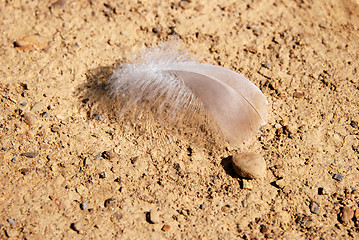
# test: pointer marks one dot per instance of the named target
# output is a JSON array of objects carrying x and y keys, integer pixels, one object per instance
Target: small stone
[
  {"x": 346, "y": 214},
  {"x": 356, "y": 215},
  {"x": 166, "y": 228},
  {"x": 280, "y": 183},
  {"x": 107, "y": 155},
  {"x": 55, "y": 129},
  {"x": 98, "y": 157},
  {"x": 202, "y": 206},
  {"x": 298, "y": 94},
  {"x": 45, "y": 114},
  {"x": 83, "y": 205},
  {"x": 314, "y": 207},
  {"x": 249, "y": 165},
  {"x": 99, "y": 117},
  {"x": 13, "y": 160},
  {"x": 184, "y": 4},
  {"x": 226, "y": 208},
  {"x": 12, "y": 222},
  {"x": 264, "y": 229},
  {"x": 154, "y": 217},
  {"x": 30, "y": 118},
  {"x": 247, "y": 184},
  {"x": 29, "y": 154},
  {"x": 25, "y": 171},
  {"x": 23, "y": 104},
  {"x": 199, "y": 8},
  {"x": 102, "y": 175},
  {"x": 75, "y": 227},
  {"x": 338, "y": 177},
  {"x": 323, "y": 191},
  {"x": 110, "y": 202},
  {"x": 37, "y": 107}
]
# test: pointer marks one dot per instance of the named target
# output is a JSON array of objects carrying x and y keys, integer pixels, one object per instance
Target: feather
[{"x": 166, "y": 78}]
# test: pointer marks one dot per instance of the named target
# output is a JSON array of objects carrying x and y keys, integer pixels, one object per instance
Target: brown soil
[{"x": 58, "y": 155}]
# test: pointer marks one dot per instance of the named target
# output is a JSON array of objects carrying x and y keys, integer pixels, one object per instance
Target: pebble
[
  {"x": 356, "y": 215},
  {"x": 338, "y": 177},
  {"x": 23, "y": 104},
  {"x": 346, "y": 214},
  {"x": 247, "y": 185},
  {"x": 13, "y": 160},
  {"x": 107, "y": 155},
  {"x": 99, "y": 117},
  {"x": 298, "y": 94},
  {"x": 264, "y": 229},
  {"x": 314, "y": 207},
  {"x": 166, "y": 228},
  {"x": 83, "y": 205},
  {"x": 202, "y": 206},
  {"x": 323, "y": 191},
  {"x": 154, "y": 217},
  {"x": 98, "y": 157},
  {"x": 30, "y": 118},
  {"x": 55, "y": 129},
  {"x": 249, "y": 165},
  {"x": 110, "y": 202},
  {"x": 37, "y": 107},
  {"x": 102, "y": 175},
  {"x": 29, "y": 154},
  {"x": 12, "y": 222},
  {"x": 75, "y": 227}
]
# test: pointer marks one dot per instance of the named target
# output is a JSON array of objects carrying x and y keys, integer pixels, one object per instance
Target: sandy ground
[{"x": 72, "y": 170}]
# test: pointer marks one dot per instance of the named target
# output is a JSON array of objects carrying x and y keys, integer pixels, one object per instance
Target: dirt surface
[{"x": 70, "y": 170}]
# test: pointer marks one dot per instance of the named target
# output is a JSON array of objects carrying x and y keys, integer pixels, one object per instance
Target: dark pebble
[
  {"x": 102, "y": 175},
  {"x": 29, "y": 154},
  {"x": 314, "y": 207},
  {"x": 13, "y": 160},
  {"x": 338, "y": 177},
  {"x": 10, "y": 221}
]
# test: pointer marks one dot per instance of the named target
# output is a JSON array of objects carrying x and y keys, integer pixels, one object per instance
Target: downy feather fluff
[{"x": 162, "y": 77}]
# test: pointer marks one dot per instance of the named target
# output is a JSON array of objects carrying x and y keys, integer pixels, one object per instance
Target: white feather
[{"x": 165, "y": 78}]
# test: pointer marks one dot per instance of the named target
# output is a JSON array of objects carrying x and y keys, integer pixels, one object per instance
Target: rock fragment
[
  {"x": 166, "y": 228},
  {"x": 249, "y": 165},
  {"x": 338, "y": 177},
  {"x": 314, "y": 207},
  {"x": 30, "y": 118},
  {"x": 346, "y": 214},
  {"x": 83, "y": 206},
  {"x": 154, "y": 216},
  {"x": 29, "y": 154}
]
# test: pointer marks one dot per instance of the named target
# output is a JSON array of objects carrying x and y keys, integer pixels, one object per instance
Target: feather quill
[{"x": 162, "y": 77}]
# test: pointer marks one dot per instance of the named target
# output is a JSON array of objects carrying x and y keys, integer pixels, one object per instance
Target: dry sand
[{"x": 68, "y": 173}]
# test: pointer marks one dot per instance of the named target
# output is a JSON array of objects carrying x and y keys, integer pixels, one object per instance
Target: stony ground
[{"x": 71, "y": 169}]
